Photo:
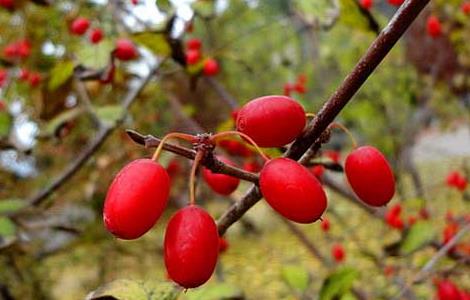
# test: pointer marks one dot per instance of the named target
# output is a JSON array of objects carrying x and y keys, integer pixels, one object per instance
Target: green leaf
[
  {"x": 215, "y": 292},
  {"x": 204, "y": 8},
  {"x": 7, "y": 227},
  {"x": 5, "y": 123},
  {"x": 124, "y": 289},
  {"x": 11, "y": 205},
  {"x": 96, "y": 56},
  {"x": 61, "y": 72},
  {"x": 109, "y": 114},
  {"x": 338, "y": 283},
  {"x": 155, "y": 42},
  {"x": 163, "y": 5},
  {"x": 420, "y": 234},
  {"x": 297, "y": 277},
  {"x": 62, "y": 118}
]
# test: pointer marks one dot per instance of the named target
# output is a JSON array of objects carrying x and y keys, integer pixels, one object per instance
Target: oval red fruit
[
  {"x": 211, "y": 67},
  {"x": 433, "y": 26},
  {"x": 221, "y": 183},
  {"x": 136, "y": 199},
  {"x": 292, "y": 190},
  {"x": 80, "y": 26},
  {"x": 8, "y": 4},
  {"x": 370, "y": 176},
  {"x": 191, "y": 246},
  {"x": 325, "y": 225},
  {"x": 125, "y": 50},
  {"x": 96, "y": 36},
  {"x": 366, "y": 4},
  {"x": 194, "y": 44},
  {"x": 338, "y": 253},
  {"x": 271, "y": 121},
  {"x": 192, "y": 56},
  {"x": 446, "y": 290}
]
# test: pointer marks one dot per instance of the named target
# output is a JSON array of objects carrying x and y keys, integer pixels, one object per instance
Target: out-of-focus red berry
[
  {"x": 79, "y": 26},
  {"x": 446, "y": 290},
  {"x": 211, "y": 67},
  {"x": 192, "y": 56},
  {"x": 23, "y": 75},
  {"x": 3, "y": 77},
  {"x": 125, "y": 50},
  {"x": 223, "y": 245},
  {"x": 412, "y": 220},
  {"x": 338, "y": 253},
  {"x": 8, "y": 4},
  {"x": 325, "y": 224},
  {"x": 433, "y": 26},
  {"x": 333, "y": 155},
  {"x": 194, "y": 44},
  {"x": 288, "y": 88},
  {"x": 34, "y": 79},
  {"x": 466, "y": 7},
  {"x": 96, "y": 36},
  {"x": 396, "y": 2},
  {"x": 424, "y": 213},
  {"x": 318, "y": 171},
  {"x": 174, "y": 168},
  {"x": 366, "y": 4},
  {"x": 251, "y": 166}
]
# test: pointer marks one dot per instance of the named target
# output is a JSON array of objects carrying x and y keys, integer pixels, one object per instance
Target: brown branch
[
  {"x": 102, "y": 135},
  {"x": 374, "y": 55},
  {"x": 209, "y": 161}
]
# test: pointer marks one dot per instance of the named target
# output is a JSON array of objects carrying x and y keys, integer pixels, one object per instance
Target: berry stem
[
  {"x": 347, "y": 131},
  {"x": 192, "y": 177},
  {"x": 183, "y": 136},
  {"x": 250, "y": 140}
]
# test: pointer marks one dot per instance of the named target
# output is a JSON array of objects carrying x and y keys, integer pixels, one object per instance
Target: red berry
[
  {"x": 80, "y": 26},
  {"x": 395, "y": 210},
  {"x": 3, "y": 77},
  {"x": 288, "y": 88},
  {"x": 333, "y": 155},
  {"x": 234, "y": 147},
  {"x": 221, "y": 183},
  {"x": 300, "y": 88},
  {"x": 10, "y": 50},
  {"x": 394, "y": 221},
  {"x": 23, "y": 75},
  {"x": 433, "y": 26},
  {"x": 211, "y": 67},
  {"x": 194, "y": 44},
  {"x": 302, "y": 78},
  {"x": 292, "y": 190},
  {"x": 338, "y": 253},
  {"x": 96, "y": 36},
  {"x": 396, "y": 2},
  {"x": 34, "y": 79},
  {"x": 223, "y": 245},
  {"x": 466, "y": 8},
  {"x": 449, "y": 232},
  {"x": 370, "y": 176},
  {"x": 191, "y": 246},
  {"x": 271, "y": 121},
  {"x": 446, "y": 290},
  {"x": 234, "y": 114},
  {"x": 424, "y": 213},
  {"x": 125, "y": 50},
  {"x": 23, "y": 48},
  {"x": 135, "y": 2},
  {"x": 192, "y": 56},
  {"x": 457, "y": 180},
  {"x": 8, "y": 4},
  {"x": 251, "y": 166},
  {"x": 136, "y": 198},
  {"x": 173, "y": 168},
  {"x": 366, "y": 4},
  {"x": 389, "y": 271},
  {"x": 318, "y": 171},
  {"x": 325, "y": 225},
  {"x": 412, "y": 220}
]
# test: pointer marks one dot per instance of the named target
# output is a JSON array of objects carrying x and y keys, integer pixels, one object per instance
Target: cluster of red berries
[
  {"x": 194, "y": 56},
  {"x": 20, "y": 49},
  {"x": 298, "y": 86},
  {"x": 32, "y": 78},
  {"x": 81, "y": 25},
  {"x": 139, "y": 193},
  {"x": 457, "y": 180},
  {"x": 447, "y": 290}
]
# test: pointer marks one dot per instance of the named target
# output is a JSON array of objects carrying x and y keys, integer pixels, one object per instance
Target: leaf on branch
[
  {"x": 155, "y": 42},
  {"x": 109, "y": 114},
  {"x": 7, "y": 232},
  {"x": 215, "y": 292},
  {"x": 53, "y": 125},
  {"x": 5, "y": 123},
  {"x": 62, "y": 71},
  {"x": 419, "y": 235},
  {"x": 9, "y": 206},
  {"x": 296, "y": 277},
  {"x": 338, "y": 283},
  {"x": 125, "y": 289},
  {"x": 96, "y": 56}
]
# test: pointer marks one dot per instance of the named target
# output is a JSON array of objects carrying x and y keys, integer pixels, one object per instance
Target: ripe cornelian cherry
[
  {"x": 396, "y": 2},
  {"x": 221, "y": 183},
  {"x": 8, "y": 4},
  {"x": 292, "y": 190},
  {"x": 366, "y": 4},
  {"x": 325, "y": 225},
  {"x": 191, "y": 246},
  {"x": 338, "y": 253},
  {"x": 370, "y": 176},
  {"x": 446, "y": 290},
  {"x": 125, "y": 50},
  {"x": 211, "y": 67},
  {"x": 192, "y": 56},
  {"x": 80, "y": 26},
  {"x": 194, "y": 44},
  {"x": 433, "y": 26},
  {"x": 136, "y": 199},
  {"x": 96, "y": 35},
  {"x": 466, "y": 7},
  {"x": 271, "y": 121}
]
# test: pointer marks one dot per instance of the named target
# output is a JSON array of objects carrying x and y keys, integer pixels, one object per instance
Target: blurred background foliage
[{"x": 415, "y": 108}]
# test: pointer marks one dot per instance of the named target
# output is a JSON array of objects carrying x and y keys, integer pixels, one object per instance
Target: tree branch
[{"x": 368, "y": 63}]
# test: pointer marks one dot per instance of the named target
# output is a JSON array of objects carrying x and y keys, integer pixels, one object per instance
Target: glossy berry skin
[
  {"x": 271, "y": 121},
  {"x": 370, "y": 176},
  {"x": 433, "y": 27},
  {"x": 338, "y": 253},
  {"x": 8, "y": 4},
  {"x": 396, "y": 2},
  {"x": 192, "y": 56},
  {"x": 96, "y": 36},
  {"x": 125, "y": 50},
  {"x": 194, "y": 44},
  {"x": 211, "y": 67},
  {"x": 191, "y": 246},
  {"x": 220, "y": 183},
  {"x": 466, "y": 8},
  {"x": 366, "y": 4},
  {"x": 292, "y": 190},
  {"x": 446, "y": 290},
  {"x": 136, "y": 199},
  {"x": 80, "y": 26}
]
